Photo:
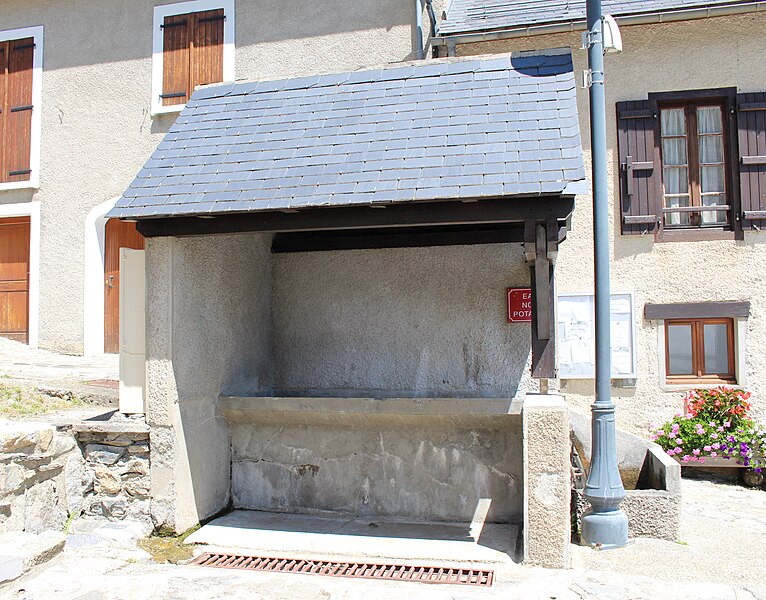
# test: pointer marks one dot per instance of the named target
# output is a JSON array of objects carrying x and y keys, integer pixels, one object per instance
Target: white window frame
[
  {"x": 158, "y": 39},
  {"x": 740, "y": 366},
  {"x": 37, "y": 104}
]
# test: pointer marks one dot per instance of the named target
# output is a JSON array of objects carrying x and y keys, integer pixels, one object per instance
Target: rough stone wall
[
  {"x": 96, "y": 118},
  {"x": 705, "y": 53},
  {"x": 40, "y": 477},
  {"x": 115, "y": 476}
]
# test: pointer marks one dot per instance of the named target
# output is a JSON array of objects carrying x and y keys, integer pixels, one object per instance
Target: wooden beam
[
  {"x": 541, "y": 251},
  {"x": 414, "y": 237},
  {"x": 697, "y": 310},
  {"x": 413, "y": 214}
]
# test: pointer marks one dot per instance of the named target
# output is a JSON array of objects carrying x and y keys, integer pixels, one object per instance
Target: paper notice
[
  {"x": 620, "y": 304},
  {"x": 620, "y": 331},
  {"x": 622, "y": 361}
]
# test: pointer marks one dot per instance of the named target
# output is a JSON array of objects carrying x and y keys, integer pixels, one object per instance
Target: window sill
[
  {"x": 695, "y": 235},
  {"x": 705, "y": 384},
  {"x": 168, "y": 110},
  {"x": 20, "y": 185}
]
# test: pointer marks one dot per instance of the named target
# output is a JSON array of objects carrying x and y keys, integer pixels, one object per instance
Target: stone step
[{"x": 20, "y": 551}]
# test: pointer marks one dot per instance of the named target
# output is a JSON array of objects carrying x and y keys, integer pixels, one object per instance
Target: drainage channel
[{"x": 388, "y": 572}]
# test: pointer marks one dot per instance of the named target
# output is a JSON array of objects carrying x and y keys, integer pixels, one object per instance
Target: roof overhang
[
  {"x": 477, "y": 33},
  {"x": 453, "y": 151}
]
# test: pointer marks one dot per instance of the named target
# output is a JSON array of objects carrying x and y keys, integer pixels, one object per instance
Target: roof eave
[{"x": 649, "y": 18}]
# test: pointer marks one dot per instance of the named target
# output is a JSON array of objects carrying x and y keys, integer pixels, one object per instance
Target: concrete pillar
[{"x": 547, "y": 486}]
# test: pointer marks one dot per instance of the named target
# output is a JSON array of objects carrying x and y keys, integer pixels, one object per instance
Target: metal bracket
[{"x": 587, "y": 78}]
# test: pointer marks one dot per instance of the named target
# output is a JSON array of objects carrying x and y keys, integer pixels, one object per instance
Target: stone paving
[
  {"x": 20, "y": 362},
  {"x": 720, "y": 557}
]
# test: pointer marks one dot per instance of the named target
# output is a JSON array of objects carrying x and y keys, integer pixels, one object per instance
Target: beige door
[{"x": 132, "y": 319}]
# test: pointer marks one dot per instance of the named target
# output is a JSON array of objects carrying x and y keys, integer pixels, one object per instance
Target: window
[
  {"x": 20, "y": 74},
  {"x": 693, "y": 165},
  {"x": 699, "y": 350},
  {"x": 701, "y": 343},
  {"x": 193, "y": 45}
]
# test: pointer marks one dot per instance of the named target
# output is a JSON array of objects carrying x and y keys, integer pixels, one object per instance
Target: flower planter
[{"x": 750, "y": 477}]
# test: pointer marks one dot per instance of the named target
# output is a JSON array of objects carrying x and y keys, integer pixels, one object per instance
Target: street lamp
[{"x": 604, "y": 525}]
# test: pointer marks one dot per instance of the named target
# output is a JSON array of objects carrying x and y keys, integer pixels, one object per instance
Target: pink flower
[
  {"x": 678, "y": 450},
  {"x": 707, "y": 448},
  {"x": 660, "y": 432},
  {"x": 696, "y": 452},
  {"x": 685, "y": 458},
  {"x": 714, "y": 454},
  {"x": 679, "y": 441},
  {"x": 714, "y": 436},
  {"x": 702, "y": 459},
  {"x": 692, "y": 458},
  {"x": 720, "y": 429},
  {"x": 716, "y": 446},
  {"x": 727, "y": 424},
  {"x": 711, "y": 424}
]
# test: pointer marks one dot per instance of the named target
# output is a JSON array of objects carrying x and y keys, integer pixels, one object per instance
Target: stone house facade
[
  {"x": 91, "y": 81},
  {"x": 675, "y": 54}
]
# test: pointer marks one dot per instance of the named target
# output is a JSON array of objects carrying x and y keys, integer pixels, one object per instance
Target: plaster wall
[
  {"x": 407, "y": 467},
  {"x": 97, "y": 131},
  {"x": 400, "y": 322},
  {"x": 706, "y": 53},
  {"x": 208, "y": 332}
]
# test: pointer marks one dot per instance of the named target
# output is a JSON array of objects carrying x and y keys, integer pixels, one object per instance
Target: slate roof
[
  {"x": 436, "y": 130},
  {"x": 466, "y": 16}
]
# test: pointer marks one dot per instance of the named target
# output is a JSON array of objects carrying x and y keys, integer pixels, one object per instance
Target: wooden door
[
  {"x": 118, "y": 234},
  {"x": 14, "y": 278}
]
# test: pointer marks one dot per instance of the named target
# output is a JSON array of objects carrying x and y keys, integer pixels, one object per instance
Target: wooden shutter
[
  {"x": 175, "y": 60},
  {"x": 640, "y": 171},
  {"x": 207, "y": 48},
  {"x": 751, "y": 123},
  {"x": 16, "y": 85}
]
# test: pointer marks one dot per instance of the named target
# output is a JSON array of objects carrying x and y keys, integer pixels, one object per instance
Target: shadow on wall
[
  {"x": 80, "y": 25},
  {"x": 425, "y": 322}
]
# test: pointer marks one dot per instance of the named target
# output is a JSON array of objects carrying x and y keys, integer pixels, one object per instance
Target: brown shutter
[
  {"x": 751, "y": 123},
  {"x": 175, "y": 60},
  {"x": 640, "y": 171},
  {"x": 17, "y": 109},
  {"x": 207, "y": 48},
  {"x": 3, "y": 108}
]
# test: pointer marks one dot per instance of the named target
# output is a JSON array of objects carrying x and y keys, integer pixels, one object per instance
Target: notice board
[{"x": 576, "y": 336}]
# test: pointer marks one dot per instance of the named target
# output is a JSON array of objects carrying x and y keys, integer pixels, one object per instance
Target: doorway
[
  {"x": 14, "y": 278},
  {"x": 118, "y": 234}
]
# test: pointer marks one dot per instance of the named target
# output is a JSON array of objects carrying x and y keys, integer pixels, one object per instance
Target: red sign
[{"x": 519, "y": 305}]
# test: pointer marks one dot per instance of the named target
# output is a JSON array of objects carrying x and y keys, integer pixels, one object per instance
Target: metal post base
[{"x": 609, "y": 528}]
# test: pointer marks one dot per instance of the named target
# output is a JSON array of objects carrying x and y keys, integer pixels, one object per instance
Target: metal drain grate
[{"x": 347, "y": 569}]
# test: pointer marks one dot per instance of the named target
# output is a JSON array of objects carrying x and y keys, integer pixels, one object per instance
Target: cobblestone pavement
[
  {"x": 20, "y": 362},
  {"x": 721, "y": 556}
]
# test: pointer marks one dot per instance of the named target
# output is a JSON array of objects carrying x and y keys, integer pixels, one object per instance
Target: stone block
[
  {"x": 106, "y": 482},
  {"x": 12, "y": 479},
  {"x": 20, "y": 551},
  {"x": 106, "y": 455},
  {"x": 74, "y": 484},
  {"x": 547, "y": 486},
  {"x": 25, "y": 437},
  {"x": 43, "y": 509}
]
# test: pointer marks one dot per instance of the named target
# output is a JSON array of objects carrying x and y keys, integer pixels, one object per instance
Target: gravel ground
[{"x": 721, "y": 556}]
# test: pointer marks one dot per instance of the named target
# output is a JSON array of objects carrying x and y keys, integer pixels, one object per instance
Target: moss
[
  {"x": 166, "y": 546},
  {"x": 17, "y": 401}
]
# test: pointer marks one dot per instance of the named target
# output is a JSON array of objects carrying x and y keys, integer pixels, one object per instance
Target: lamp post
[{"x": 605, "y": 525}]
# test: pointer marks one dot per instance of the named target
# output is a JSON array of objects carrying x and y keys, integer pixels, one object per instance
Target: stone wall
[
  {"x": 50, "y": 474},
  {"x": 115, "y": 474},
  {"x": 40, "y": 477}
]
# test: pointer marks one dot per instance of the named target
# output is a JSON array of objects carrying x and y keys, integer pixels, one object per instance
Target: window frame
[
  {"x": 726, "y": 98},
  {"x": 36, "y": 33},
  {"x": 698, "y": 352},
  {"x": 158, "y": 41}
]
